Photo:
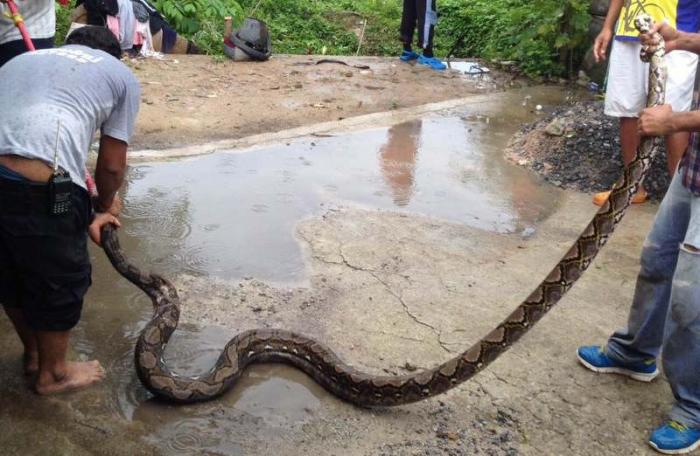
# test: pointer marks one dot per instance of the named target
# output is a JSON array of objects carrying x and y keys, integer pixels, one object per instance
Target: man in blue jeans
[{"x": 665, "y": 313}]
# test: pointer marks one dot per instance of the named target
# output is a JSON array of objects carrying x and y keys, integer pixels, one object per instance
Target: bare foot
[
  {"x": 31, "y": 363},
  {"x": 76, "y": 376}
]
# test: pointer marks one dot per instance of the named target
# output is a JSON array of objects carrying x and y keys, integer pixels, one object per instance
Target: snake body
[{"x": 319, "y": 362}]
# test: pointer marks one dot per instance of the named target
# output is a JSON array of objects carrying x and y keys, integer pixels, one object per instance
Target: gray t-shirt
[{"x": 81, "y": 88}]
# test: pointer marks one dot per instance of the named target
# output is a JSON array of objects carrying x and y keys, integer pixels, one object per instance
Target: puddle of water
[
  {"x": 233, "y": 214},
  {"x": 268, "y": 396},
  {"x": 276, "y": 394}
]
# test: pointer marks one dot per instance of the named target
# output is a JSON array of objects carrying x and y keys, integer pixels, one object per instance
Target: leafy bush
[
  {"x": 302, "y": 27},
  {"x": 188, "y": 16},
  {"x": 63, "y": 21},
  {"x": 546, "y": 37}
]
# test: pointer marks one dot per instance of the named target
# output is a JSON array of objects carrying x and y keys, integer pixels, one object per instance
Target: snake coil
[{"x": 342, "y": 380}]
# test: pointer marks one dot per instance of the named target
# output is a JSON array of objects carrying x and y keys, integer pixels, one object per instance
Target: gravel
[{"x": 578, "y": 147}]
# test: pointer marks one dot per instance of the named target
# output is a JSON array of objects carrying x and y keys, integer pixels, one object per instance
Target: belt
[{"x": 31, "y": 188}]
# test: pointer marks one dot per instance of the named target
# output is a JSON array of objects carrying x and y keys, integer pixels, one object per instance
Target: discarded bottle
[{"x": 593, "y": 87}]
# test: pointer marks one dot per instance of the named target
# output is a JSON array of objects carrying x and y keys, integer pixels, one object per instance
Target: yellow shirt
[{"x": 657, "y": 9}]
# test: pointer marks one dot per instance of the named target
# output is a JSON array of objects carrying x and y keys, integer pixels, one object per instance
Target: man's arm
[
  {"x": 687, "y": 42},
  {"x": 602, "y": 41},
  {"x": 110, "y": 170},
  {"x": 674, "y": 40},
  {"x": 662, "y": 121}
]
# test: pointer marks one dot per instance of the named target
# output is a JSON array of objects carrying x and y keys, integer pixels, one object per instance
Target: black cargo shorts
[{"x": 44, "y": 262}]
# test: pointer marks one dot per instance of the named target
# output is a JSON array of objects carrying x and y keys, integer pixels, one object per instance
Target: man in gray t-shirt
[{"x": 61, "y": 97}]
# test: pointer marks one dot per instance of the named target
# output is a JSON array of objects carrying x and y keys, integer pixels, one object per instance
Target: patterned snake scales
[{"x": 319, "y": 362}]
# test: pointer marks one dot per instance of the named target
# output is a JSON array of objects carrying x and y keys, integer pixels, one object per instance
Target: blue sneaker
[
  {"x": 675, "y": 438},
  {"x": 595, "y": 359},
  {"x": 407, "y": 56},
  {"x": 432, "y": 62}
]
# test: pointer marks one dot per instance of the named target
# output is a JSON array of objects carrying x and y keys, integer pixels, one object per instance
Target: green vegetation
[
  {"x": 545, "y": 37},
  {"x": 63, "y": 21}
]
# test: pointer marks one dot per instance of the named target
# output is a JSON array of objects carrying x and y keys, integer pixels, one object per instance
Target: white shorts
[{"x": 628, "y": 79}]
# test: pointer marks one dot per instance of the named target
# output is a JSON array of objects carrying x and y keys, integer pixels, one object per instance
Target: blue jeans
[{"x": 665, "y": 312}]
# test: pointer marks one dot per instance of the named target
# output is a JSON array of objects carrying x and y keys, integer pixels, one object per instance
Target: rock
[
  {"x": 528, "y": 232},
  {"x": 586, "y": 157},
  {"x": 599, "y": 7},
  {"x": 556, "y": 127}
]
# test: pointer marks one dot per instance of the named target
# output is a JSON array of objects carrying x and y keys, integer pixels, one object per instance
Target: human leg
[
  {"x": 641, "y": 340},
  {"x": 50, "y": 273},
  {"x": 28, "y": 338},
  {"x": 625, "y": 98},
  {"x": 681, "y": 349},
  {"x": 629, "y": 142},
  {"x": 629, "y": 350},
  {"x": 408, "y": 25},
  {"x": 56, "y": 375},
  {"x": 427, "y": 19},
  {"x": 9, "y": 299},
  {"x": 426, "y": 11}
]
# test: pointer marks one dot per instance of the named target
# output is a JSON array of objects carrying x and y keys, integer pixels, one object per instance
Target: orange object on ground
[{"x": 600, "y": 198}]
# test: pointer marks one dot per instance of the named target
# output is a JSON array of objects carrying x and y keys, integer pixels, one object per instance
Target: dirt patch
[
  {"x": 578, "y": 147},
  {"x": 197, "y": 99}
]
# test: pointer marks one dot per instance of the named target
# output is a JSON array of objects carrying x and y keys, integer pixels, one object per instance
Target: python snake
[{"x": 319, "y": 362}]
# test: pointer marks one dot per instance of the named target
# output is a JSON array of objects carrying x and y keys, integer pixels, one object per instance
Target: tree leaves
[{"x": 539, "y": 34}]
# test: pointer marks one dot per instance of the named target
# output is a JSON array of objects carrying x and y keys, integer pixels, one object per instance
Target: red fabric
[{"x": 90, "y": 183}]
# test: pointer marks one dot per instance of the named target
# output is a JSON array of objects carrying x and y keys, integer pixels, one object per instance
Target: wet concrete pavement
[
  {"x": 233, "y": 214},
  {"x": 397, "y": 246}
]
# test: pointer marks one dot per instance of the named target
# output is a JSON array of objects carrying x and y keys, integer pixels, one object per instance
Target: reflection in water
[{"x": 398, "y": 159}]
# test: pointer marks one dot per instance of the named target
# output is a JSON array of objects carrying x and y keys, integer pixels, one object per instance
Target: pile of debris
[{"x": 578, "y": 147}]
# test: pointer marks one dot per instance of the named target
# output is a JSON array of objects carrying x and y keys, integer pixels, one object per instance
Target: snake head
[{"x": 644, "y": 23}]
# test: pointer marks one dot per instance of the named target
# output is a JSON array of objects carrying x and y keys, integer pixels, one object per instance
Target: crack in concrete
[
  {"x": 352, "y": 266},
  {"x": 499, "y": 378},
  {"x": 384, "y": 333},
  {"x": 399, "y": 298},
  {"x": 406, "y": 309}
]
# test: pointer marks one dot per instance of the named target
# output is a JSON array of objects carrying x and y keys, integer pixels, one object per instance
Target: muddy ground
[
  {"x": 195, "y": 99},
  {"x": 391, "y": 293}
]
